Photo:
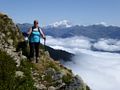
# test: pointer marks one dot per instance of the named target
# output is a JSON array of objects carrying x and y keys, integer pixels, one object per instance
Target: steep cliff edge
[{"x": 17, "y": 73}]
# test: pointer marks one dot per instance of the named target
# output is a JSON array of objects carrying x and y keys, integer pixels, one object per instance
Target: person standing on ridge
[{"x": 35, "y": 33}]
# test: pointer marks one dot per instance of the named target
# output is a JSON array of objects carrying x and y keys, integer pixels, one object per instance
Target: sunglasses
[{"x": 36, "y": 23}]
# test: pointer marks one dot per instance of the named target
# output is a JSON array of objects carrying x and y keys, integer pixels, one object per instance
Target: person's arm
[
  {"x": 29, "y": 31},
  {"x": 43, "y": 35}
]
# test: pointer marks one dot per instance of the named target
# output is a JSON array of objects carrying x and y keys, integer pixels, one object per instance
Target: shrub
[
  {"x": 67, "y": 78},
  {"x": 7, "y": 72},
  {"x": 8, "y": 79}
]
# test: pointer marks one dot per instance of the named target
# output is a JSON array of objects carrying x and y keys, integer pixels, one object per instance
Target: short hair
[{"x": 35, "y": 21}]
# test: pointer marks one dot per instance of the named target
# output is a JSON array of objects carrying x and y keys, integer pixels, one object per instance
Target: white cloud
[
  {"x": 100, "y": 70},
  {"x": 107, "y": 45},
  {"x": 69, "y": 44},
  {"x": 76, "y": 43}
]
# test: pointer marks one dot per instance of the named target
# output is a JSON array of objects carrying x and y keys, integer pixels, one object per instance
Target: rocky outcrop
[
  {"x": 9, "y": 38},
  {"x": 9, "y": 32},
  {"x": 47, "y": 74},
  {"x": 51, "y": 75}
]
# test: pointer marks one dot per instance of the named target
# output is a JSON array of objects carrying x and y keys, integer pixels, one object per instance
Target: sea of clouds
[
  {"x": 100, "y": 70},
  {"x": 76, "y": 43}
]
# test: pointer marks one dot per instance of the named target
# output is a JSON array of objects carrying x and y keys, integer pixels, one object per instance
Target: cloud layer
[
  {"x": 76, "y": 43},
  {"x": 100, "y": 70},
  {"x": 108, "y": 45},
  {"x": 69, "y": 44}
]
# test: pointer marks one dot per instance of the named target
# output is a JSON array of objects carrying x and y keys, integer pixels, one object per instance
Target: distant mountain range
[{"x": 64, "y": 29}]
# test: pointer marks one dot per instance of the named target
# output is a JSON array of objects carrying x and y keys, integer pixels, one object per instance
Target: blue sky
[{"x": 81, "y": 12}]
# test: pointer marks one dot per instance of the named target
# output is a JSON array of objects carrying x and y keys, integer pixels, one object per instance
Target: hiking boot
[{"x": 37, "y": 59}]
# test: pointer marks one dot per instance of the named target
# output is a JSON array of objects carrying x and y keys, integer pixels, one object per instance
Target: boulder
[
  {"x": 19, "y": 74},
  {"x": 10, "y": 41},
  {"x": 40, "y": 87},
  {"x": 51, "y": 88}
]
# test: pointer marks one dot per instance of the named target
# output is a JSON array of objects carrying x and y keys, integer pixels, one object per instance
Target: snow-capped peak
[
  {"x": 63, "y": 23},
  {"x": 102, "y": 23}
]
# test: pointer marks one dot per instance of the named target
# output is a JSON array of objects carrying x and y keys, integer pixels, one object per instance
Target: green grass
[
  {"x": 67, "y": 78},
  {"x": 8, "y": 80},
  {"x": 7, "y": 72}
]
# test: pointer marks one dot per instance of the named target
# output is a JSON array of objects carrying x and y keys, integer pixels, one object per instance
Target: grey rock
[
  {"x": 8, "y": 33},
  {"x": 2, "y": 35},
  {"x": 19, "y": 74},
  {"x": 57, "y": 76},
  {"x": 9, "y": 51},
  {"x": 10, "y": 41},
  {"x": 40, "y": 87},
  {"x": 23, "y": 57},
  {"x": 17, "y": 62},
  {"x": 76, "y": 84},
  {"x": 10, "y": 47},
  {"x": 51, "y": 88},
  {"x": 50, "y": 71},
  {"x": 78, "y": 80},
  {"x": 5, "y": 45},
  {"x": 47, "y": 53},
  {"x": 60, "y": 86}
]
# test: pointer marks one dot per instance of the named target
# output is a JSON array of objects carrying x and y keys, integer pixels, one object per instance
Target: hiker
[{"x": 35, "y": 33}]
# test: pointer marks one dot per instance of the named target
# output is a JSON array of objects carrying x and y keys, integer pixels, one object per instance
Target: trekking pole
[{"x": 45, "y": 44}]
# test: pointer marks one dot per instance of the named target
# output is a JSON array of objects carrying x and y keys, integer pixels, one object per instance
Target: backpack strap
[
  {"x": 32, "y": 28},
  {"x": 31, "y": 32},
  {"x": 38, "y": 29}
]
